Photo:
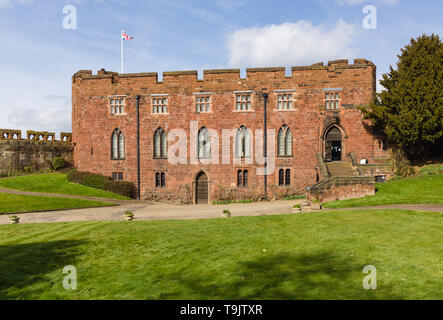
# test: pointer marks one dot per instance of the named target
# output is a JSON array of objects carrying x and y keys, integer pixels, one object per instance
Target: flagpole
[{"x": 121, "y": 39}]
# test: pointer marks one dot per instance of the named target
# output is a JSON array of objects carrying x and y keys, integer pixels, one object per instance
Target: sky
[{"x": 39, "y": 54}]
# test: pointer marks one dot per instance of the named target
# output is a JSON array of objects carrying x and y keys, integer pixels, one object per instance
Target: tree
[{"x": 409, "y": 112}]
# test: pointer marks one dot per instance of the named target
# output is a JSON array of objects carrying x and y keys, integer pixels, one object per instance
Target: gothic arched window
[
  {"x": 160, "y": 144},
  {"x": 285, "y": 142},
  {"x": 242, "y": 143},
  {"x": 117, "y": 145},
  {"x": 204, "y": 143}
]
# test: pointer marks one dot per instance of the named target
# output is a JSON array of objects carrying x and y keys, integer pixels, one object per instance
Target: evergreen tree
[{"x": 409, "y": 112}]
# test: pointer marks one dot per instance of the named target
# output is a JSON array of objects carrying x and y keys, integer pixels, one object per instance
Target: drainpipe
[
  {"x": 265, "y": 142},
  {"x": 137, "y": 98}
]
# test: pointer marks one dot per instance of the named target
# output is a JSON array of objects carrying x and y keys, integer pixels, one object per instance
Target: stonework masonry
[
  {"x": 34, "y": 153},
  {"x": 309, "y": 121}
]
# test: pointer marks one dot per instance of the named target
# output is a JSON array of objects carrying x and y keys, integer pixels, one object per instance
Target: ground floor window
[
  {"x": 242, "y": 178},
  {"x": 160, "y": 179},
  {"x": 284, "y": 177},
  {"x": 117, "y": 176}
]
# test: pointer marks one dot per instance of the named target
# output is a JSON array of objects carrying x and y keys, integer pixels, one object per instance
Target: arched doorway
[
  {"x": 201, "y": 189},
  {"x": 333, "y": 144}
]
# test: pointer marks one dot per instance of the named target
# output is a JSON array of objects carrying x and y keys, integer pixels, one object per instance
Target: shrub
[
  {"x": 59, "y": 163},
  {"x": 432, "y": 170},
  {"x": 400, "y": 165},
  {"x": 129, "y": 214},
  {"x": 98, "y": 181},
  {"x": 295, "y": 197},
  {"x": 296, "y": 206}
]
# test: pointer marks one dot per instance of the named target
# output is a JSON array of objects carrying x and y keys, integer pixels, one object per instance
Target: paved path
[{"x": 149, "y": 211}]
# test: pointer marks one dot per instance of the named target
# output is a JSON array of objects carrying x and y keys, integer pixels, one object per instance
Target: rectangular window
[
  {"x": 242, "y": 178},
  {"x": 285, "y": 101},
  {"x": 332, "y": 100},
  {"x": 159, "y": 105},
  {"x": 243, "y": 101},
  {"x": 117, "y": 105},
  {"x": 160, "y": 179},
  {"x": 202, "y": 104},
  {"x": 117, "y": 176}
]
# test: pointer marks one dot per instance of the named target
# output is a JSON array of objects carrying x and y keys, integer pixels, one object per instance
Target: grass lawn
[
  {"x": 413, "y": 190},
  {"x": 54, "y": 183},
  {"x": 12, "y": 203},
  {"x": 307, "y": 256}
]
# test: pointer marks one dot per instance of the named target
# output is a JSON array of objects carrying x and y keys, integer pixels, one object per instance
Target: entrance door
[
  {"x": 336, "y": 151},
  {"x": 201, "y": 188},
  {"x": 333, "y": 145}
]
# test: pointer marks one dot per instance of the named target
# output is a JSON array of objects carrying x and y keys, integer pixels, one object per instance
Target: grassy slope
[
  {"x": 413, "y": 190},
  {"x": 12, "y": 203},
  {"x": 308, "y": 256},
  {"x": 54, "y": 183}
]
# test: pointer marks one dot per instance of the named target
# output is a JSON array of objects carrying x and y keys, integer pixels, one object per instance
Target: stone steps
[{"x": 341, "y": 169}]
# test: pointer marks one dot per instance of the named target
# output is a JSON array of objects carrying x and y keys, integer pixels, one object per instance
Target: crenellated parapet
[
  {"x": 221, "y": 74},
  {"x": 66, "y": 136},
  {"x": 32, "y": 135},
  {"x": 10, "y": 134}
]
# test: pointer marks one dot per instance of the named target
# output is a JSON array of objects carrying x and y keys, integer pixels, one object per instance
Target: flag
[{"x": 125, "y": 36}]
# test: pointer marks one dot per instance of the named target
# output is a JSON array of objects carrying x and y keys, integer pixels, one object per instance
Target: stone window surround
[
  {"x": 277, "y": 177},
  {"x": 329, "y": 91},
  {"x": 244, "y": 92},
  {"x": 159, "y": 95},
  {"x": 244, "y": 173},
  {"x": 124, "y": 104},
  {"x": 287, "y": 91},
  {"x": 205, "y": 94}
]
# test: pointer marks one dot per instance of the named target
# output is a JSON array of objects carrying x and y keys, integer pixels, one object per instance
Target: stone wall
[
  {"x": 342, "y": 188},
  {"x": 93, "y": 123},
  {"x": 28, "y": 155}
]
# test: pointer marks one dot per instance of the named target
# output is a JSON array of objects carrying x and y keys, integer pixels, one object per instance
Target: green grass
[
  {"x": 54, "y": 183},
  {"x": 308, "y": 256},
  {"x": 13, "y": 203},
  {"x": 412, "y": 190}
]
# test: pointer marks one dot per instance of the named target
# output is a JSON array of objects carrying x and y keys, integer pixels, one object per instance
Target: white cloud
[
  {"x": 357, "y": 2},
  {"x": 297, "y": 43}
]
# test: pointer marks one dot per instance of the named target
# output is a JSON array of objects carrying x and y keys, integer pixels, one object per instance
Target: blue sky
[{"x": 39, "y": 56}]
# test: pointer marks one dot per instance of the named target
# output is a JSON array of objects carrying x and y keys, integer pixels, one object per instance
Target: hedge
[{"x": 98, "y": 181}]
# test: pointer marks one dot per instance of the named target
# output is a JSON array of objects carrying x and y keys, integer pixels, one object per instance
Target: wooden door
[{"x": 201, "y": 189}]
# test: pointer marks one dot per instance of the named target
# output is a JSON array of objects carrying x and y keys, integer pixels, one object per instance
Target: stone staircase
[{"x": 341, "y": 169}]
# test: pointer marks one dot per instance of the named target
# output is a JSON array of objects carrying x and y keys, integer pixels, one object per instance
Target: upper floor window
[
  {"x": 202, "y": 103},
  {"x": 204, "y": 143},
  {"x": 117, "y": 145},
  {"x": 160, "y": 144},
  {"x": 242, "y": 143},
  {"x": 332, "y": 100},
  {"x": 243, "y": 101},
  {"x": 159, "y": 104},
  {"x": 285, "y": 142},
  {"x": 117, "y": 105},
  {"x": 285, "y": 101}
]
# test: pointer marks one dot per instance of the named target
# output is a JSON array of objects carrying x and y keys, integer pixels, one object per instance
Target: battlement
[
  {"x": 221, "y": 74},
  {"x": 13, "y": 134}
]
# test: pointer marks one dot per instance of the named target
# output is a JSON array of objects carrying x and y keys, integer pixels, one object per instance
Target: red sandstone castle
[{"x": 122, "y": 125}]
